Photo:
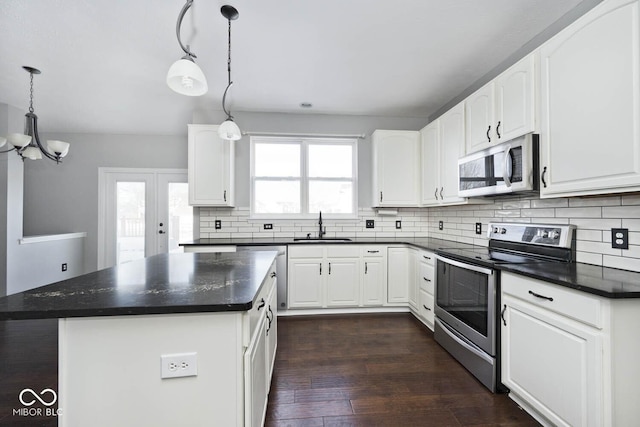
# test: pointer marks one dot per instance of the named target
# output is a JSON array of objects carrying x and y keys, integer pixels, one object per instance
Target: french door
[{"x": 143, "y": 212}]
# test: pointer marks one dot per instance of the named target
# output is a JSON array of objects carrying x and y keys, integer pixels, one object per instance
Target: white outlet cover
[{"x": 179, "y": 365}]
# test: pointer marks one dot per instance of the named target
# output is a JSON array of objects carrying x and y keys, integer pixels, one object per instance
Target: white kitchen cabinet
[
  {"x": 305, "y": 282},
  {"x": 272, "y": 332},
  {"x": 504, "y": 108},
  {"x": 210, "y": 167},
  {"x": 398, "y": 275},
  {"x": 255, "y": 377},
  {"x": 590, "y": 104},
  {"x": 425, "y": 279},
  {"x": 568, "y": 357},
  {"x": 343, "y": 281},
  {"x": 442, "y": 145},
  {"x": 374, "y": 275},
  {"x": 412, "y": 276},
  {"x": 396, "y": 168}
]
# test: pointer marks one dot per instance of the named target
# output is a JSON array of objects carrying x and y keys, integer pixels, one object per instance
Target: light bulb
[{"x": 187, "y": 82}]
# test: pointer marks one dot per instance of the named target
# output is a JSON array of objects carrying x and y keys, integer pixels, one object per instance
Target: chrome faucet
[{"x": 321, "y": 231}]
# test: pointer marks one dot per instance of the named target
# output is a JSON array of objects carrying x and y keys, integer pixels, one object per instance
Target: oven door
[{"x": 465, "y": 300}]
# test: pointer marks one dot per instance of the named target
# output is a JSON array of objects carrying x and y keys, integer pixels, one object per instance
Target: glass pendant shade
[
  {"x": 3, "y": 141},
  {"x": 58, "y": 148},
  {"x": 229, "y": 130},
  {"x": 186, "y": 78},
  {"x": 32, "y": 153},
  {"x": 19, "y": 140}
]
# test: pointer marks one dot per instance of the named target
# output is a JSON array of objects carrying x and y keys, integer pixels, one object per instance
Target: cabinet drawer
[
  {"x": 343, "y": 251},
  {"x": 308, "y": 250},
  {"x": 425, "y": 307},
  {"x": 567, "y": 302},
  {"x": 373, "y": 251},
  {"x": 427, "y": 257},
  {"x": 426, "y": 277}
]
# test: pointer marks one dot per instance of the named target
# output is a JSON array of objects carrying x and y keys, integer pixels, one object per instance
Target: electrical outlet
[
  {"x": 398, "y": 225},
  {"x": 478, "y": 228},
  {"x": 620, "y": 238},
  {"x": 440, "y": 225},
  {"x": 218, "y": 224},
  {"x": 370, "y": 223},
  {"x": 179, "y": 365},
  {"x": 64, "y": 266},
  {"x": 268, "y": 226}
]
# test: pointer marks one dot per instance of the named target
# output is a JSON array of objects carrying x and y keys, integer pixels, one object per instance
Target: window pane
[
  {"x": 130, "y": 208},
  {"x": 276, "y": 197},
  {"x": 330, "y": 197},
  {"x": 180, "y": 216},
  {"x": 277, "y": 160},
  {"x": 330, "y": 161}
]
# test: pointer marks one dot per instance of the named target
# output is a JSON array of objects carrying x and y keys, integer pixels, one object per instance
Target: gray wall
[{"x": 64, "y": 198}]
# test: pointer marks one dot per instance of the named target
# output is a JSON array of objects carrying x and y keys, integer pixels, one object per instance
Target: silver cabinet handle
[{"x": 441, "y": 190}]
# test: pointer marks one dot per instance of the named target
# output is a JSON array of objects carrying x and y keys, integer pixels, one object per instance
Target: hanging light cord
[
  {"x": 31, "y": 94},
  {"x": 224, "y": 97}
]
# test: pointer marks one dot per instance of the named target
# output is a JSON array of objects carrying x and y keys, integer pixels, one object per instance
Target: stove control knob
[
  {"x": 496, "y": 230},
  {"x": 554, "y": 234},
  {"x": 503, "y": 230}
]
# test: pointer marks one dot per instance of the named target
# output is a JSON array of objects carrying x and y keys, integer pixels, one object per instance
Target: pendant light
[
  {"x": 28, "y": 145},
  {"x": 229, "y": 129},
  {"x": 184, "y": 76}
]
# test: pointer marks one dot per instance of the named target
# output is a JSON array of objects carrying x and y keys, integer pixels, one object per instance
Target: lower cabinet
[
  {"x": 398, "y": 275},
  {"x": 374, "y": 275},
  {"x": 426, "y": 281},
  {"x": 566, "y": 354}
]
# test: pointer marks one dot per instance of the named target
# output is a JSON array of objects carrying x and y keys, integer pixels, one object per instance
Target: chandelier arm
[
  {"x": 6, "y": 151},
  {"x": 224, "y": 101},
  {"x": 36, "y": 138},
  {"x": 184, "y": 10}
]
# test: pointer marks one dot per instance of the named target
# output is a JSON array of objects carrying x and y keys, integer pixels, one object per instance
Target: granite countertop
[
  {"x": 593, "y": 279},
  {"x": 166, "y": 283}
]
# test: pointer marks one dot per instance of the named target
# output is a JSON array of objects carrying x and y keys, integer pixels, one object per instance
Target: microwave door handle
[{"x": 507, "y": 166}]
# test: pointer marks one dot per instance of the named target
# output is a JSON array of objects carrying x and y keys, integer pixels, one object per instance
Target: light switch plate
[{"x": 398, "y": 225}]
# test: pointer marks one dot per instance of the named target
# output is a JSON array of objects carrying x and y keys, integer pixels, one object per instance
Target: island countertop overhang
[{"x": 161, "y": 284}]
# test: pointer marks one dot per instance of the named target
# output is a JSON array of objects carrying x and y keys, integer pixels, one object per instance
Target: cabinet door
[
  {"x": 590, "y": 104},
  {"x": 451, "y": 149},
  {"x": 425, "y": 308},
  {"x": 255, "y": 377},
  {"x": 430, "y": 136},
  {"x": 305, "y": 283},
  {"x": 397, "y": 275},
  {"x": 373, "y": 281},
  {"x": 210, "y": 167},
  {"x": 396, "y": 157},
  {"x": 515, "y": 100},
  {"x": 272, "y": 333},
  {"x": 413, "y": 283},
  {"x": 552, "y": 363},
  {"x": 480, "y": 126},
  {"x": 343, "y": 282}
]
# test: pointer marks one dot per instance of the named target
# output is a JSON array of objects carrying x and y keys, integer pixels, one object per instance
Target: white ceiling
[{"x": 104, "y": 62}]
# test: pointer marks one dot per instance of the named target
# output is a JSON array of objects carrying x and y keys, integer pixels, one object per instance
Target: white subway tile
[
  {"x": 538, "y": 213},
  {"x": 596, "y": 224},
  {"x": 631, "y": 199},
  {"x": 597, "y": 248},
  {"x": 593, "y": 235},
  {"x": 624, "y": 263},
  {"x": 550, "y": 203},
  {"x": 589, "y": 258},
  {"x": 621, "y": 212},
  {"x": 594, "y": 201},
  {"x": 586, "y": 212}
]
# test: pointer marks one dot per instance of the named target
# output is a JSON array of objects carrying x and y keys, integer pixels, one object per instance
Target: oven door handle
[{"x": 471, "y": 267}]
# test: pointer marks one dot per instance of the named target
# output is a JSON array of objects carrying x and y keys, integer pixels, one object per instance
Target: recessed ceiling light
[{"x": 306, "y": 105}]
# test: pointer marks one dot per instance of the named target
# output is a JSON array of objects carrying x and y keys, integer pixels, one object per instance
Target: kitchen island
[{"x": 214, "y": 311}]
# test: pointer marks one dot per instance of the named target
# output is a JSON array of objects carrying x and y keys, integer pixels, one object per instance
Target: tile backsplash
[{"x": 594, "y": 218}]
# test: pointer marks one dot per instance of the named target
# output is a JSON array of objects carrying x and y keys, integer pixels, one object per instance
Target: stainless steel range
[{"x": 468, "y": 290}]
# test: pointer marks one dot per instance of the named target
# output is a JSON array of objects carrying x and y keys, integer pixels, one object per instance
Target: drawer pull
[
  {"x": 366, "y": 268},
  {"x": 502, "y": 315},
  {"x": 273, "y": 274},
  {"x": 262, "y": 304},
  {"x": 426, "y": 257},
  {"x": 428, "y": 280},
  {"x": 373, "y": 252},
  {"x": 426, "y": 308},
  {"x": 540, "y": 296}
]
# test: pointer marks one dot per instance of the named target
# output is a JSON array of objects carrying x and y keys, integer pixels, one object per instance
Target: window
[{"x": 292, "y": 177}]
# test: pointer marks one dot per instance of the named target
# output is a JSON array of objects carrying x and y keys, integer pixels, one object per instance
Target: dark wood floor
[
  {"x": 376, "y": 370},
  {"x": 364, "y": 370}
]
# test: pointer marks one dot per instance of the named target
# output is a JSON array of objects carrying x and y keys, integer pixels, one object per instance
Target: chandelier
[{"x": 28, "y": 145}]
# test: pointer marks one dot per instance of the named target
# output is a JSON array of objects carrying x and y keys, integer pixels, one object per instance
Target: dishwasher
[{"x": 281, "y": 270}]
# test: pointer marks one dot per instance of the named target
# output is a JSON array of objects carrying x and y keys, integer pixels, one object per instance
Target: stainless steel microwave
[{"x": 509, "y": 167}]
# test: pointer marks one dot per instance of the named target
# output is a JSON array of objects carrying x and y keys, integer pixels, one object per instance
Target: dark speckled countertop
[
  {"x": 168, "y": 283},
  {"x": 593, "y": 279}
]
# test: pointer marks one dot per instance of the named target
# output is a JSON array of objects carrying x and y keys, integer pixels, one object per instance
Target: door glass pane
[
  {"x": 276, "y": 197},
  {"x": 130, "y": 214},
  {"x": 180, "y": 216},
  {"x": 331, "y": 197},
  {"x": 275, "y": 160},
  {"x": 330, "y": 161}
]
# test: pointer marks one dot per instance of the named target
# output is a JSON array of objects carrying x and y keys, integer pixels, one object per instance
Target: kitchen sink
[{"x": 320, "y": 240}]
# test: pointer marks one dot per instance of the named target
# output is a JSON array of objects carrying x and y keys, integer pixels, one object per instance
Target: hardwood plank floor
[
  {"x": 360, "y": 370},
  {"x": 376, "y": 370}
]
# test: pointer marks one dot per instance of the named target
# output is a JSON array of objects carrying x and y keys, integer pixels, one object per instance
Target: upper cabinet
[
  {"x": 502, "y": 109},
  {"x": 442, "y": 146},
  {"x": 590, "y": 104},
  {"x": 396, "y": 168},
  {"x": 211, "y": 167}
]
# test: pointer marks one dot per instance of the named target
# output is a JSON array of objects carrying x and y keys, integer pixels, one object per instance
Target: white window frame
[{"x": 304, "y": 178}]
